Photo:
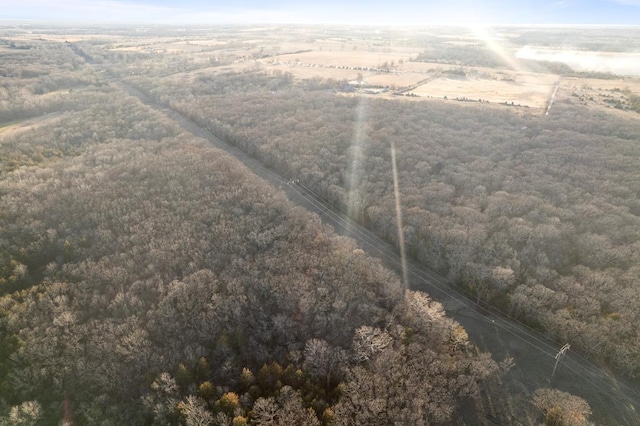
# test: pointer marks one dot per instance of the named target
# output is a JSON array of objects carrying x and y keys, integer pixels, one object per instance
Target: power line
[
  {"x": 559, "y": 356},
  {"x": 433, "y": 279},
  {"x": 427, "y": 276}
]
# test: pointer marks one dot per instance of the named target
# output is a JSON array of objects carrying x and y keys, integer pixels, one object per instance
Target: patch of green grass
[{"x": 7, "y": 124}]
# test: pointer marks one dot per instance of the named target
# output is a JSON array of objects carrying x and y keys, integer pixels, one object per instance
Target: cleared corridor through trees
[{"x": 613, "y": 400}]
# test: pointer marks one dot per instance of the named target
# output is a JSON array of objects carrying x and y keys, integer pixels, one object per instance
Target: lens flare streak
[
  {"x": 396, "y": 192},
  {"x": 354, "y": 196}
]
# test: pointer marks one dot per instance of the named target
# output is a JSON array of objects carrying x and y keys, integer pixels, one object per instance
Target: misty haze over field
[{"x": 606, "y": 62}]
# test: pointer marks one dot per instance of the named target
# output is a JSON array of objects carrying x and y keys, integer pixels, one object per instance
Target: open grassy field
[
  {"x": 381, "y": 58},
  {"x": 532, "y": 90},
  {"x": 353, "y": 58},
  {"x": 607, "y": 95},
  {"x": 16, "y": 127}
]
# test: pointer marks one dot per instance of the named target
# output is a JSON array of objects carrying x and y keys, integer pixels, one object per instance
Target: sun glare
[
  {"x": 481, "y": 33},
  {"x": 356, "y": 169}
]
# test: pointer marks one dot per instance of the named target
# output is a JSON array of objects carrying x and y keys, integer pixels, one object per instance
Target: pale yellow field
[
  {"x": 337, "y": 57},
  {"x": 532, "y": 90},
  {"x": 632, "y": 84},
  {"x": 496, "y": 86},
  {"x": 24, "y": 125},
  {"x": 71, "y": 38},
  {"x": 300, "y": 72},
  {"x": 353, "y": 58},
  {"x": 596, "y": 93},
  {"x": 211, "y": 42},
  {"x": 396, "y": 80}
]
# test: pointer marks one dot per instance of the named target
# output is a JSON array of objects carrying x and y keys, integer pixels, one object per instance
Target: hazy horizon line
[{"x": 78, "y": 23}]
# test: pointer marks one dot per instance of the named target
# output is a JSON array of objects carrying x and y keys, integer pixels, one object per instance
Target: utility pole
[{"x": 559, "y": 355}]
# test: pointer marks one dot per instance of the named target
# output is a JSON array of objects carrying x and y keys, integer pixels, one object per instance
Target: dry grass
[
  {"x": 497, "y": 86},
  {"x": 596, "y": 93},
  {"x": 302, "y": 73},
  {"x": 632, "y": 84},
  {"x": 532, "y": 90},
  {"x": 337, "y": 57},
  {"x": 396, "y": 80},
  {"x": 353, "y": 58},
  {"x": 16, "y": 127}
]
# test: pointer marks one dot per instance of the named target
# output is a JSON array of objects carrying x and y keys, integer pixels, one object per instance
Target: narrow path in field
[{"x": 552, "y": 98}]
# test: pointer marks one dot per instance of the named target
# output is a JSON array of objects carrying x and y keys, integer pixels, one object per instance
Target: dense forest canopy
[
  {"x": 147, "y": 277},
  {"x": 537, "y": 215}
]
